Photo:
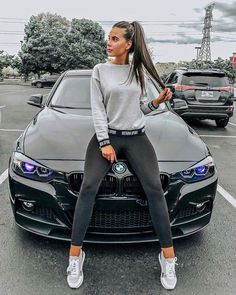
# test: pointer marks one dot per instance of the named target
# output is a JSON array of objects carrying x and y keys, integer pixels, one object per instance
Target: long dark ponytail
[{"x": 141, "y": 56}]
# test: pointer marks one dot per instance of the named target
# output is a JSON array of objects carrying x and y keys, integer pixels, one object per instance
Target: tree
[
  {"x": 219, "y": 63},
  {"x": 53, "y": 44},
  {"x": 41, "y": 49},
  {"x": 85, "y": 45},
  {"x": 6, "y": 60}
]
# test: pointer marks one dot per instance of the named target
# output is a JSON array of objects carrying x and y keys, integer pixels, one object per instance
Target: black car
[
  {"x": 46, "y": 169},
  {"x": 207, "y": 93},
  {"x": 47, "y": 81}
]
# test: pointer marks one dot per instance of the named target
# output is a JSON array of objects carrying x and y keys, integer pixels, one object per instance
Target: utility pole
[{"x": 205, "y": 51}]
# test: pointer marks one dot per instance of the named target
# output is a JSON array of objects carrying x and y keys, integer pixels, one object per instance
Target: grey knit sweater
[{"x": 116, "y": 106}]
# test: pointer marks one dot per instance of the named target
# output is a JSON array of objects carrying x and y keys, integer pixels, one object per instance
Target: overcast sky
[{"x": 173, "y": 28}]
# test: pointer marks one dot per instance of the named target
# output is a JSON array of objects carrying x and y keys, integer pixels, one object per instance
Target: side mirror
[
  {"x": 36, "y": 100},
  {"x": 172, "y": 88},
  {"x": 179, "y": 104}
]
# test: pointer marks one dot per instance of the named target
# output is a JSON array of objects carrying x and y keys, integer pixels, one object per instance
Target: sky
[{"x": 172, "y": 28}]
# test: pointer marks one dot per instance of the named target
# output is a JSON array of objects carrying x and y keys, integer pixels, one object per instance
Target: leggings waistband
[{"x": 126, "y": 132}]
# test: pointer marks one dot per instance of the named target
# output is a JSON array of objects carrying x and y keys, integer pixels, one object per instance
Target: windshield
[
  {"x": 74, "y": 92},
  {"x": 214, "y": 80}
]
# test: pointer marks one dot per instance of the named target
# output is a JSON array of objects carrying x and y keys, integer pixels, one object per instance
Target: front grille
[
  {"x": 191, "y": 210},
  {"x": 186, "y": 211},
  {"x": 44, "y": 212},
  {"x": 132, "y": 185},
  {"x": 120, "y": 220},
  {"x": 107, "y": 187}
]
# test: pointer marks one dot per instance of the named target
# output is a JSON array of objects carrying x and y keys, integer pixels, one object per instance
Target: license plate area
[{"x": 207, "y": 94}]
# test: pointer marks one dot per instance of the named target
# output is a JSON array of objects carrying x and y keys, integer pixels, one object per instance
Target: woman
[{"x": 118, "y": 111}]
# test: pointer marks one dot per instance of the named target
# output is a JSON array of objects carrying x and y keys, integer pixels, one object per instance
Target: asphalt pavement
[{"x": 30, "y": 264}]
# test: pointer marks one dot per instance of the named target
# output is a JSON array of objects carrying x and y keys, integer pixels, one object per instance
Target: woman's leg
[
  {"x": 96, "y": 167},
  {"x": 142, "y": 158}
]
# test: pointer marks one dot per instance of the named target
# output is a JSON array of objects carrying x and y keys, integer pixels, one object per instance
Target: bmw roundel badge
[{"x": 119, "y": 167}]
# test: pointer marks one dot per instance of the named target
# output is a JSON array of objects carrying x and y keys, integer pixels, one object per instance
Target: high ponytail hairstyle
[{"x": 141, "y": 56}]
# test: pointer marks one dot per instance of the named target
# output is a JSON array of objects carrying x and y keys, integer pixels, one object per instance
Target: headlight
[
  {"x": 28, "y": 168},
  {"x": 199, "y": 171}
]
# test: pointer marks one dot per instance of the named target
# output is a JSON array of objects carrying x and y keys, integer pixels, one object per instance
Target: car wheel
[
  {"x": 39, "y": 85},
  {"x": 222, "y": 122}
]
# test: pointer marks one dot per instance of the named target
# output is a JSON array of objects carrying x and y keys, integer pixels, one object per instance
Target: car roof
[
  {"x": 215, "y": 71},
  {"x": 78, "y": 72}
]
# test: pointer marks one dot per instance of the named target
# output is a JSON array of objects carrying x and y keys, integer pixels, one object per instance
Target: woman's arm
[{"x": 98, "y": 110}]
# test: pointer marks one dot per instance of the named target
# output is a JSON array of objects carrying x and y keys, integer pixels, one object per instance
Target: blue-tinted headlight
[
  {"x": 28, "y": 168},
  {"x": 199, "y": 171}
]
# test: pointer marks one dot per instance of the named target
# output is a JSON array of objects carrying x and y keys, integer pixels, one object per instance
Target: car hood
[{"x": 56, "y": 137}]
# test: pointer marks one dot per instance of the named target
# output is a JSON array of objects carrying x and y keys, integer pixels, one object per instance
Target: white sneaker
[
  {"x": 168, "y": 276},
  {"x": 75, "y": 274}
]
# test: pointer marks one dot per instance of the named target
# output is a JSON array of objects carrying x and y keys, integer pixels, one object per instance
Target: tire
[
  {"x": 39, "y": 85},
  {"x": 222, "y": 122}
]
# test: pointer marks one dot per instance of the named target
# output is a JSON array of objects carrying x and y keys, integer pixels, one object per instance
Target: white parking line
[
  {"x": 11, "y": 92},
  {"x": 226, "y": 195},
  {"x": 232, "y": 124},
  {"x": 1, "y": 107},
  {"x": 220, "y": 189},
  {"x": 218, "y": 136},
  {"x": 4, "y": 176},
  {"x": 11, "y": 130}
]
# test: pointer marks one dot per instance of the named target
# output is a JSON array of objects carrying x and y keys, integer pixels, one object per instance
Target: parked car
[
  {"x": 234, "y": 86},
  {"x": 206, "y": 92},
  {"x": 46, "y": 169},
  {"x": 45, "y": 81}
]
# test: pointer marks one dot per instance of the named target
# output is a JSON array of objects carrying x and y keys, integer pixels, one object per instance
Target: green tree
[
  {"x": 84, "y": 44},
  {"x": 41, "y": 49},
  {"x": 219, "y": 63},
  {"x": 53, "y": 44}
]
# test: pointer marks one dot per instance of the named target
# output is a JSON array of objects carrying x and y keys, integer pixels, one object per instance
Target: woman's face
[{"x": 117, "y": 45}]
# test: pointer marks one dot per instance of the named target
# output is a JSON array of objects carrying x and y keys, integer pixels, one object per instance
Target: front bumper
[{"x": 54, "y": 204}]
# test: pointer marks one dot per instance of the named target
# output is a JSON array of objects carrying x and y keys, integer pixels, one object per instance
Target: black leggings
[{"x": 141, "y": 156}]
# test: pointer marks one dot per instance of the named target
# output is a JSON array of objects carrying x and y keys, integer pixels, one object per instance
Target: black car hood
[{"x": 54, "y": 135}]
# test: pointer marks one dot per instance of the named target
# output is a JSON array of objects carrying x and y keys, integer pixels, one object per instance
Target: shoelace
[
  {"x": 74, "y": 267},
  {"x": 170, "y": 267}
]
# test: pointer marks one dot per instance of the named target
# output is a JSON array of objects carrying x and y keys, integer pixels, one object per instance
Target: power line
[
  {"x": 8, "y": 43},
  {"x": 11, "y": 22},
  {"x": 13, "y": 18}
]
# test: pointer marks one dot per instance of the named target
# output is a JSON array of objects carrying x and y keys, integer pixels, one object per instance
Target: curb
[{"x": 16, "y": 83}]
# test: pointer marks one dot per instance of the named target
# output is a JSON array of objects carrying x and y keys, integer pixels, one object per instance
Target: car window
[
  {"x": 214, "y": 80},
  {"x": 153, "y": 92},
  {"x": 74, "y": 92},
  {"x": 173, "y": 78}
]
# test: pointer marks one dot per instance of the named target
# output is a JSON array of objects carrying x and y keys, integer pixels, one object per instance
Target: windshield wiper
[
  {"x": 201, "y": 83},
  {"x": 62, "y": 107}
]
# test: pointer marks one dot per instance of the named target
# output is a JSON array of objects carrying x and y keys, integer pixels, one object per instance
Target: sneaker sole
[
  {"x": 82, "y": 277},
  {"x": 162, "y": 282}
]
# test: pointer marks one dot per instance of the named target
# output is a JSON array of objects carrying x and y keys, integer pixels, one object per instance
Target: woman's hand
[
  {"x": 109, "y": 153},
  {"x": 165, "y": 95}
]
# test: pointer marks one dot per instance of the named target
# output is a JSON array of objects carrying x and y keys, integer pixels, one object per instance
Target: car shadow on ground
[{"x": 206, "y": 125}]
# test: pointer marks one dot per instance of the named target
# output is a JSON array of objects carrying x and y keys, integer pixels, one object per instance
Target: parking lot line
[
  {"x": 3, "y": 176},
  {"x": 11, "y": 130},
  {"x": 218, "y": 136},
  {"x": 226, "y": 195},
  {"x": 232, "y": 124}
]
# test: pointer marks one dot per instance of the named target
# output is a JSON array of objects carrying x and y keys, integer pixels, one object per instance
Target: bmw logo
[{"x": 119, "y": 167}]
